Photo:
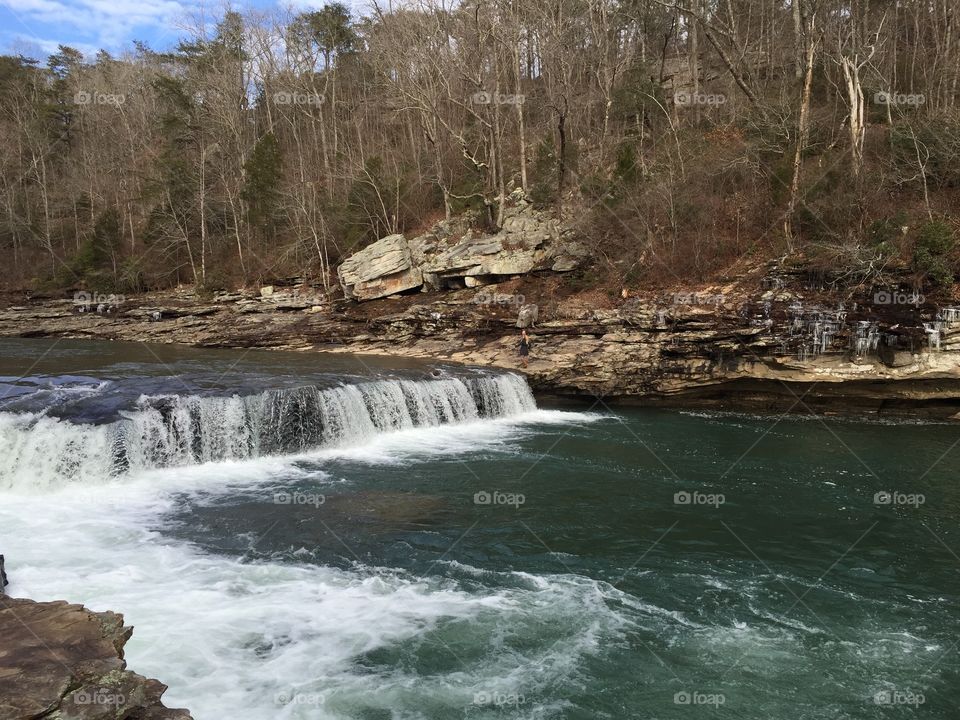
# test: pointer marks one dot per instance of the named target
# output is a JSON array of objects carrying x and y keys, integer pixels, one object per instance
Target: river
[{"x": 305, "y": 536}]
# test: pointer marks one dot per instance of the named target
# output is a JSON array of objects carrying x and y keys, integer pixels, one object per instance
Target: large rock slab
[
  {"x": 381, "y": 269},
  {"x": 522, "y": 245},
  {"x": 63, "y": 662},
  {"x": 453, "y": 256}
]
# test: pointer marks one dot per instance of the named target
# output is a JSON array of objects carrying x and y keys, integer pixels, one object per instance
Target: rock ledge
[{"x": 60, "y": 661}]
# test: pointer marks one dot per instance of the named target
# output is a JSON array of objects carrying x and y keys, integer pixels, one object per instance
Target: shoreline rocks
[
  {"x": 60, "y": 661},
  {"x": 750, "y": 345}
]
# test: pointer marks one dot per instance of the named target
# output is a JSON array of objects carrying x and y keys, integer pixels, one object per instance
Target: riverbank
[
  {"x": 766, "y": 342},
  {"x": 60, "y": 660}
]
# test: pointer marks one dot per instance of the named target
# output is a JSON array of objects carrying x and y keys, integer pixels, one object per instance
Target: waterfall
[
  {"x": 178, "y": 430},
  {"x": 816, "y": 327},
  {"x": 865, "y": 338},
  {"x": 934, "y": 331},
  {"x": 941, "y": 326},
  {"x": 949, "y": 314}
]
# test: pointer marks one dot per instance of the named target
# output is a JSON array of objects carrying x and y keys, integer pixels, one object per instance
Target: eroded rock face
[
  {"x": 519, "y": 247},
  {"x": 60, "y": 661},
  {"x": 381, "y": 269}
]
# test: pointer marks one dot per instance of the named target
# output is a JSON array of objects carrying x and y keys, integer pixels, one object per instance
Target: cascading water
[
  {"x": 178, "y": 430},
  {"x": 816, "y": 328},
  {"x": 865, "y": 338},
  {"x": 934, "y": 331},
  {"x": 946, "y": 320}
]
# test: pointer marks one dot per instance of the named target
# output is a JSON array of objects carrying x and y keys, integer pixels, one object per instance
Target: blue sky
[{"x": 36, "y": 27}]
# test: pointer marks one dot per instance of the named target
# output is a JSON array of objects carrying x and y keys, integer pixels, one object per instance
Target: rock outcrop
[
  {"x": 63, "y": 662},
  {"x": 452, "y": 256},
  {"x": 380, "y": 269},
  {"x": 528, "y": 316}
]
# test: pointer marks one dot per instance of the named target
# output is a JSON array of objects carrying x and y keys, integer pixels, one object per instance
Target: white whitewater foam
[
  {"x": 256, "y": 641},
  {"x": 264, "y": 640},
  {"x": 42, "y": 452}
]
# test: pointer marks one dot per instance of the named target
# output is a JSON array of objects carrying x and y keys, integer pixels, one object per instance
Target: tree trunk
[{"x": 802, "y": 132}]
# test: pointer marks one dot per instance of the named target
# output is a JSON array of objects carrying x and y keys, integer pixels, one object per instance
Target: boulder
[
  {"x": 381, "y": 269},
  {"x": 60, "y": 661},
  {"x": 528, "y": 316},
  {"x": 451, "y": 255},
  {"x": 567, "y": 255},
  {"x": 519, "y": 247}
]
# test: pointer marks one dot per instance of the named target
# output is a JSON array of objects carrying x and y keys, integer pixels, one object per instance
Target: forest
[{"x": 678, "y": 137}]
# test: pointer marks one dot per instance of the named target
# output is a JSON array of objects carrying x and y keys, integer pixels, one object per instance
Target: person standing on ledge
[{"x": 524, "y": 348}]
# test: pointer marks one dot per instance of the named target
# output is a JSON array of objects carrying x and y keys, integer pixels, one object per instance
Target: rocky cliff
[
  {"x": 771, "y": 339},
  {"x": 63, "y": 662}
]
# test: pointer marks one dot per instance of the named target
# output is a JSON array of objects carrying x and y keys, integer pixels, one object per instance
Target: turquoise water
[
  {"x": 549, "y": 564},
  {"x": 798, "y": 596}
]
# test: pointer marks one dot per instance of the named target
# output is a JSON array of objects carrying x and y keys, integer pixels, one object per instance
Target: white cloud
[
  {"x": 36, "y": 47},
  {"x": 110, "y": 24}
]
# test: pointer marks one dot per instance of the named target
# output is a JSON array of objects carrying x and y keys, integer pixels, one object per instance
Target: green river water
[{"x": 598, "y": 563}]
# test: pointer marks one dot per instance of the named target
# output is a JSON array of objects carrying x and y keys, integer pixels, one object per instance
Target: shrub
[{"x": 935, "y": 242}]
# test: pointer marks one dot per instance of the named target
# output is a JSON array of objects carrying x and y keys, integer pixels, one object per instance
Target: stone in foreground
[{"x": 60, "y": 661}]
